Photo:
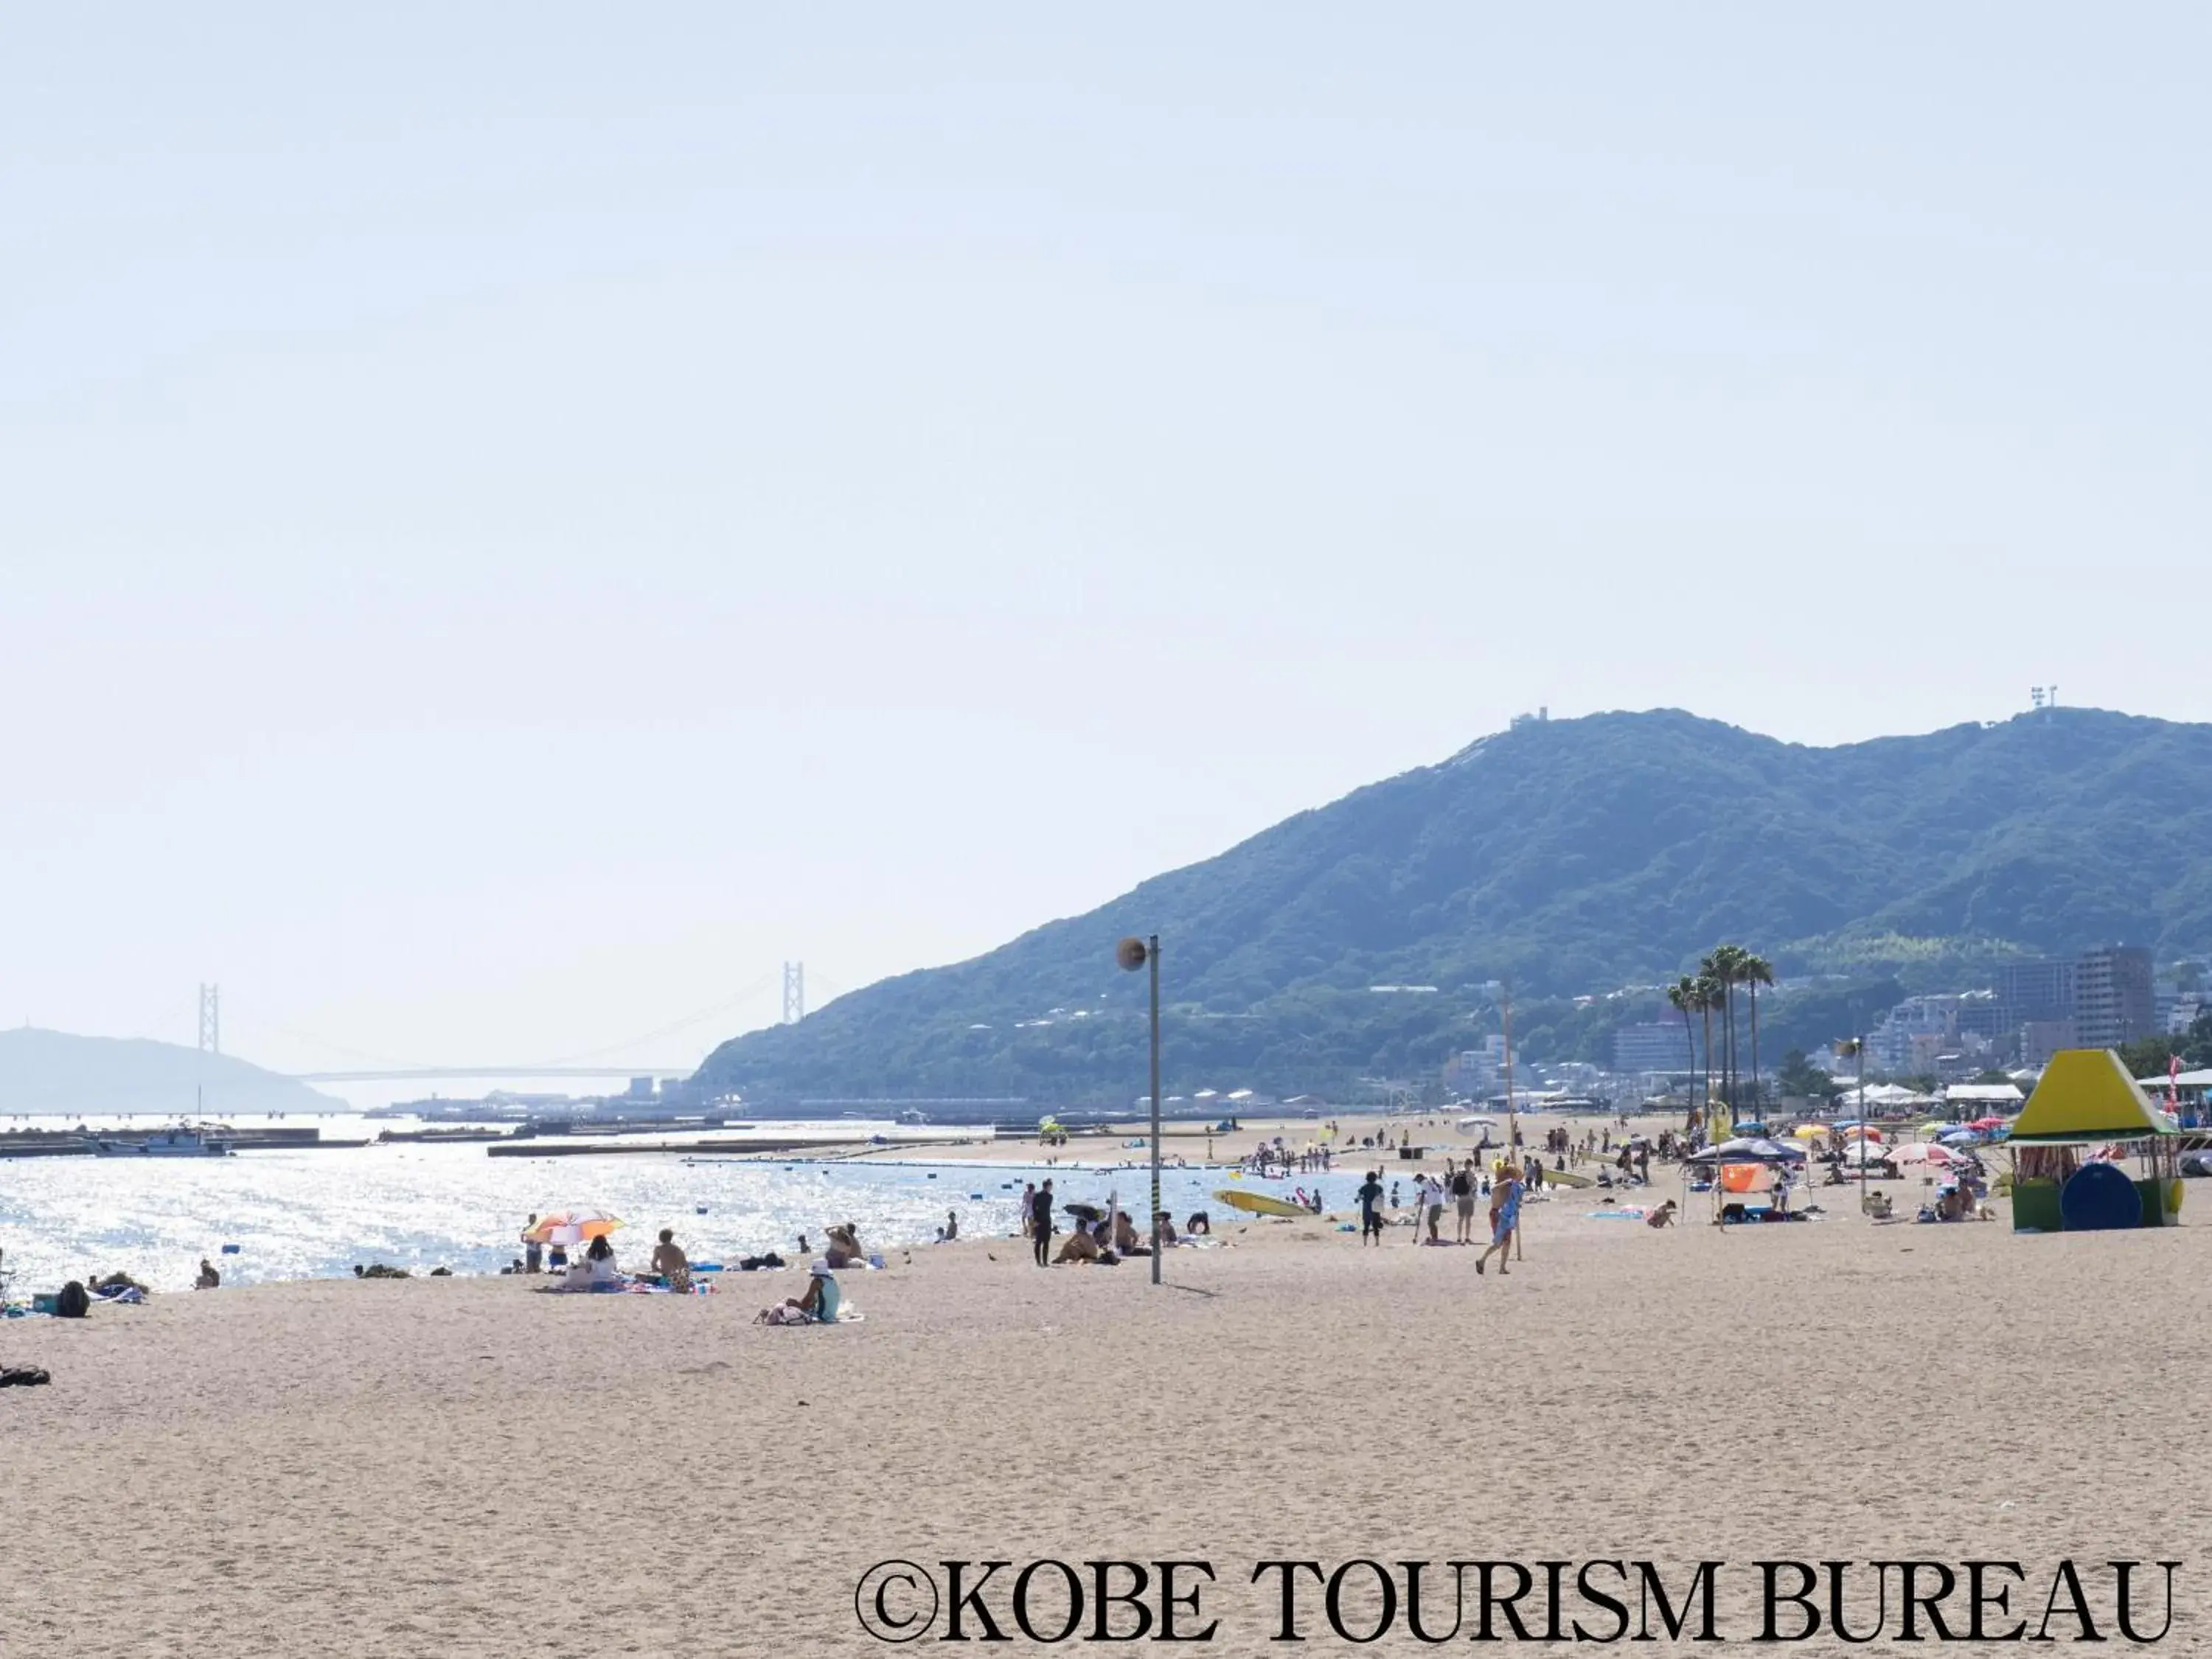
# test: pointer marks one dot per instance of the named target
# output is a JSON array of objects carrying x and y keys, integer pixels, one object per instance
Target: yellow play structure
[{"x": 2086, "y": 1102}]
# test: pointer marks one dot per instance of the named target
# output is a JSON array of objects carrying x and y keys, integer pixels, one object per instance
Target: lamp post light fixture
[{"x": 1134, "y": 953}]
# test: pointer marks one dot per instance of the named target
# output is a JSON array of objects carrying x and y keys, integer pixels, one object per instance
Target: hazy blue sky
[{"x": 516, "y": 519}]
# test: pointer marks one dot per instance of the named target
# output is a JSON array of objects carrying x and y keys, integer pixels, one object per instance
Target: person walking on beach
[
  {"x": 1463, "y": 1192},
  {"x": 1504, "y": 1218},
  {"x": 1371, "y": 1216},
  {"x": 534, "y": 1259},
  {"x": 1041, "y": 1221}
]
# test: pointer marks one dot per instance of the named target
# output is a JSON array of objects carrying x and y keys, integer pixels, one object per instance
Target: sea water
[{"x": 420, "y": 1206}]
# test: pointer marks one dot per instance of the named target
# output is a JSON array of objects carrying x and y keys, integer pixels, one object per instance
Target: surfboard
[
  {"x": 1258, "y": 1203},
  {"x": 1568, "y": 1178}
]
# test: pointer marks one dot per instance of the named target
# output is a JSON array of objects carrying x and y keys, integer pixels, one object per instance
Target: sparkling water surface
[{"x": 419, "y": 1205}]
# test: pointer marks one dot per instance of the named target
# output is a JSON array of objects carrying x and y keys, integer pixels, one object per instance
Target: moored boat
[{"x": 182, "y": 1141}]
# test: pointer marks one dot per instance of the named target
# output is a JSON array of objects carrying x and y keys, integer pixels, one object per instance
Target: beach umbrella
[
  {"x": 573, "y": 1227},
  {"x": 1866, "y": 1151},
  {"x": 1748, "y": 1150},
  {"x": 1987, "y": 1123},
  {"x": 1923, "y": 1151},
  {"x": 1809, "y": 1132}
]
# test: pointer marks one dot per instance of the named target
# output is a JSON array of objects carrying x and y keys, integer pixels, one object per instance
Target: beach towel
[{"x": 1508, "y": 1217}]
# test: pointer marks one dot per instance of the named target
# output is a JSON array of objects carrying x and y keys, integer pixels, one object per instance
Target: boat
[{"x": 182, "y": 1141}]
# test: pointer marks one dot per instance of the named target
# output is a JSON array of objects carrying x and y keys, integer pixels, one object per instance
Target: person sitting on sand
[
  {"x": 1079, "y": 1246},
  {"x": 843, "y": 1249},
  {"x": 1661, "y": 1216},
  {"x": 952, "y": 1226},
  {"x": 1197, "y": 1225},
  {"x": 209, "y": 1279},
  {"x": 670, "y": 1262},
  {"x": 600, "y": 1263},
  {"x": 1125, "y": 1235},
  {"x": 820, "y": 1303},
  {"x": 1166, "y": 1224},
  {"x": 818, "y": 1307}
]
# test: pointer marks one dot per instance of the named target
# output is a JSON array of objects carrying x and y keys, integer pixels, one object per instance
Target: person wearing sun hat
[{"x": 820, "y": 1302}]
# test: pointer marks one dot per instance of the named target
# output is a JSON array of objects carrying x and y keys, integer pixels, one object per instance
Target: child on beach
[{"x": 1371, "y": 1216}]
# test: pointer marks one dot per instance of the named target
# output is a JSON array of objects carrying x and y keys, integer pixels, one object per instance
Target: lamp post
[
  {"x": 1134, "y": 953},
  {"x": 1858, "y": 1046}
]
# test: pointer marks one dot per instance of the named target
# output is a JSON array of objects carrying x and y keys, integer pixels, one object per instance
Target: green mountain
[
  {"x": 1566, "y": 858},
  {"x": 57, "y": 1073}
]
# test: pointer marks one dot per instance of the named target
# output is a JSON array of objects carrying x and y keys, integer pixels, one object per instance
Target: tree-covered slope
[{"x": 1566, "y": 857}]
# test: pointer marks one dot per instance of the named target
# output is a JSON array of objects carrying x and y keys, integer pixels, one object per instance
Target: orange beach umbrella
[{"x": 572, "y": 1226}]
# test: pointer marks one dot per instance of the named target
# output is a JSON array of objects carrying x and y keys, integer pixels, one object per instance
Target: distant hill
[
  {"x": 53, "y": 1071},
  {"x": 1567, "y": 856}
]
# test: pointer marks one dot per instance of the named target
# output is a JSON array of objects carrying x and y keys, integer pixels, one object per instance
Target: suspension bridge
[{"x": 592, "y": 1064}]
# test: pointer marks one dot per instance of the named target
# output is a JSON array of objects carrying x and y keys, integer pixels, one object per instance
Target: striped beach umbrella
[{"x": 573, "y": 1227}]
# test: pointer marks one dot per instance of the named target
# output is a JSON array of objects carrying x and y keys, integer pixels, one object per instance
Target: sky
[{"x": 517, "y": 520}]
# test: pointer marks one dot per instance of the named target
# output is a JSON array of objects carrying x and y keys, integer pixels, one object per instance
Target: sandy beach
[{"x": 466, "y": 1468}]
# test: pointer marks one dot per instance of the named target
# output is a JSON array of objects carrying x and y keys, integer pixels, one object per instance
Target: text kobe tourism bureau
[{"x": 1049, "y": 1601}]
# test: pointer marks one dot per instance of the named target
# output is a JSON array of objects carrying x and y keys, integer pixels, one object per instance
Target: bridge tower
[
  {"x": 795, "y": 993},
  {"x": 211, "y": 1020}
]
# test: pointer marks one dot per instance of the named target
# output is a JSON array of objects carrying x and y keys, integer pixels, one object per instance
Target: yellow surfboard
[
  {"x": 1568, "y": 1178},
  {"x": 1258, "y": 1203}
]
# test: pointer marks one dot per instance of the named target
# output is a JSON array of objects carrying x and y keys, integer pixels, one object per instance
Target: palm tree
[
  {"x": 1722, "y": 968},
  {"x": 1756, "y": 971},
  {"x": 1708, "y": 999},
  {"x": 1684, "y": 994}
]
